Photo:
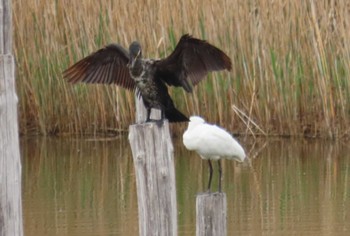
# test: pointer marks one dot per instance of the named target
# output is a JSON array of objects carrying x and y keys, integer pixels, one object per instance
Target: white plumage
[{"x": 211, "y": 143}]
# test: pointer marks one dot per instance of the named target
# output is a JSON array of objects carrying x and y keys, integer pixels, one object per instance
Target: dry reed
[{"x": 290, "y": 62}]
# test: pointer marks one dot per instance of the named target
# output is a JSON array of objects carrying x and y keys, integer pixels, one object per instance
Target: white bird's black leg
[
  {"x": 220, "y": 173},
  {"x": 210, "y": 174}
]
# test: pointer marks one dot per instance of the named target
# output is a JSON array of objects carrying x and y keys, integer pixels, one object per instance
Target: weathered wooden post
[
  {"x": 211, "y": 214},
  {"x": 153, "y": 157},
  {"x": 10, "y": 165}
]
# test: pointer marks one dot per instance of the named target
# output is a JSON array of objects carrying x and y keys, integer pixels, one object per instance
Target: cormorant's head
[
  {"x": 135, "y": 63},
  {"x": 135, "y": 51}
]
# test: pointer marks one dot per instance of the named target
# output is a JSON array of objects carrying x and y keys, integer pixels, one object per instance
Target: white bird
[{"x": 211, "y": 143}]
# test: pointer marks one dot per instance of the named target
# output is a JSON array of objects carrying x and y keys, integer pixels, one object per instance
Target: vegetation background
[{"x": 290, "y": 71}]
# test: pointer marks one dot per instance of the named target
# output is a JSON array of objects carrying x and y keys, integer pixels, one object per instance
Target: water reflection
[
  {"x": 78, "y": 187},
  {"x": 87, "y": 187}
]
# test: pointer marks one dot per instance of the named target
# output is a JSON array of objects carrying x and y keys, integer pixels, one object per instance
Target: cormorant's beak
[
  {"x": 138, "y": 54},
  {"x": 133, "y": 59}
]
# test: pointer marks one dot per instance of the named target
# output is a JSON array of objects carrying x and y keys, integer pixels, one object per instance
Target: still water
[{"x": 87, "y": 187}]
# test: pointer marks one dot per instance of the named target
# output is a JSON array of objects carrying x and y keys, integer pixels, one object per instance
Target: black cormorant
[{"x": 185, "y": 67}]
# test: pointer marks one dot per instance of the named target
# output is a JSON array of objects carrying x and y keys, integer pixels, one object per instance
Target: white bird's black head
[{"x": 197, "y": 119}]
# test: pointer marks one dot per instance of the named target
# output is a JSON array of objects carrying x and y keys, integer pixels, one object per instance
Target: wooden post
[
  {"x": 153, "y": 157},
  {"x": 140, "y": 109},
  {"x": 211, "y": 214},
  {"x": 10, "y": 165}
]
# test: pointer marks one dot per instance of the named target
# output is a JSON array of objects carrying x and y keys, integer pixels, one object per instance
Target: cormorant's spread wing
[
  {"x": 106, "y": 66},
  {"x": 190, "y": 62}
]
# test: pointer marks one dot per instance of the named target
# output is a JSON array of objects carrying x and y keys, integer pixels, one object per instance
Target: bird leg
[
  {"x": 148, "y": 116},
  {"x": 162, "y": 114},
  {"x": 210, "y": 174},
  {"x": 160, "y": 121},
  {"x": 148, "y": 119},
  {"x": 220, "y": 174}
]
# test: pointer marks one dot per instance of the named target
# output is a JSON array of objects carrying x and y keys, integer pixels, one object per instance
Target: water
[{"x": 87, "y": 187}]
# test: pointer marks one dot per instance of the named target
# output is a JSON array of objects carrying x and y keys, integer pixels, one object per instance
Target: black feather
[{"x": 189, "y": 63}]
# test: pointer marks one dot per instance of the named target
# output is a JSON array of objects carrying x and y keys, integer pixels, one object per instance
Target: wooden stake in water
[
  {"x": 10, "y": 163},
  {"x": 153, "y": 157},
  {"x": 211, "y": 214}
]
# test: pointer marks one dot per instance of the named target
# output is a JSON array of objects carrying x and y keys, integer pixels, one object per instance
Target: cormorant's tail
[{"x": 174, "y": 115}]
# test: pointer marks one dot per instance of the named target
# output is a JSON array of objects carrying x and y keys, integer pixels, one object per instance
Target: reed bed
[{"x": 290, "y": 71}]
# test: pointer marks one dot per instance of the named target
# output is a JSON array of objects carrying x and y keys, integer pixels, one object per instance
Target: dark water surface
[{"x": 87, "y": 187}]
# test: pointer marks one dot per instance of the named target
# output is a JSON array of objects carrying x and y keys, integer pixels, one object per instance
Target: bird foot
[{"x": 158, "y": 122}]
